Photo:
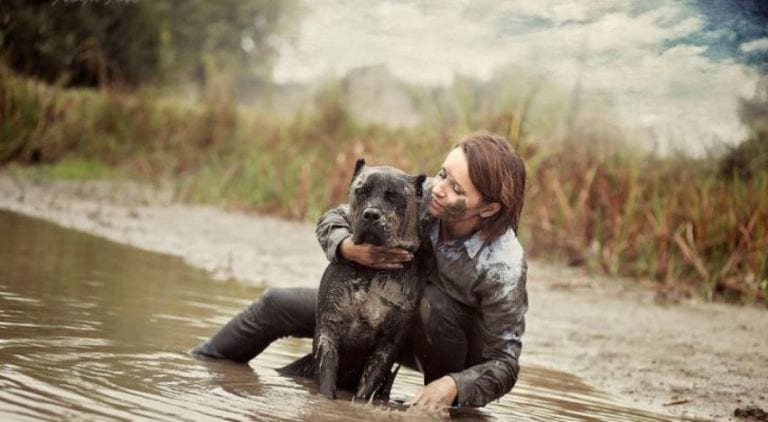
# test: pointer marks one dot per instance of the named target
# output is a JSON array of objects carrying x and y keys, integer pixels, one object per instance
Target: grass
[
  {"x": 672, "y": 221},
  {"x": 75, "y": 169},
  {"x": 680, "y": 221}
]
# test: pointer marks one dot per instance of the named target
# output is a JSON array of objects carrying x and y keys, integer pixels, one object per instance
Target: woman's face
[{"x": 454, "y": 197}]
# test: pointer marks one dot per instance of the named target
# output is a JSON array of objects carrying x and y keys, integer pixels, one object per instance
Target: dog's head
[{"x": 384, "y": 206}]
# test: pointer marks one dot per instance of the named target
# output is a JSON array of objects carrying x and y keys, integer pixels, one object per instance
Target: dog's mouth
[
  {"x": 373, "y": 235},
  {"x": 369, "y": 238}
]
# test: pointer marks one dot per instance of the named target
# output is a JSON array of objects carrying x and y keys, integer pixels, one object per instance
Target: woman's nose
[{"x": 439, "y": 188}]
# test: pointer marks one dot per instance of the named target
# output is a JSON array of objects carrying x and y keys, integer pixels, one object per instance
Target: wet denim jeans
[{"x": 441, "y": 341}]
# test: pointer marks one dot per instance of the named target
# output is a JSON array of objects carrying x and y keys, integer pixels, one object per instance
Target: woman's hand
[
  {"x": 377, "y": 257},
  {"x": 438, "y": 394}
]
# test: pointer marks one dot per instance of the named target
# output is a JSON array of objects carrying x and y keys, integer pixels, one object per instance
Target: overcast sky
[{"x": 668, "y": 65}]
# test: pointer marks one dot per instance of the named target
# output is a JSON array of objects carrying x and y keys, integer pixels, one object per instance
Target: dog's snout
[{"x": 372, "y": 214}]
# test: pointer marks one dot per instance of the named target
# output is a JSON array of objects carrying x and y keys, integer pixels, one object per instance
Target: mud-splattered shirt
[{"x": 486, "y": 276}]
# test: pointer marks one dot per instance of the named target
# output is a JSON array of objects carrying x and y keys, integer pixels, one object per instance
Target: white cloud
[
  {"x": 621, "y": 48},
  {"x": 618, "y": 30},
  {"x": 569, "y": 11},
  {"x": 678, "y": 89},
  {"x": 755, "y": 45}
]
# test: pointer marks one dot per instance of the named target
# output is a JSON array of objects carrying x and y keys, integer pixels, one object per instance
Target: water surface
[{"x": 90, "y": 329}]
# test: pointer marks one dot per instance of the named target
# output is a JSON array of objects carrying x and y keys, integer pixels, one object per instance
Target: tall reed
[{"x": 676, "y": 220}]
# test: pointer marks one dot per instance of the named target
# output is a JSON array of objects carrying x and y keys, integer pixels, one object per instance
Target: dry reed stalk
[
  {"x": 562, "y": 199},
  {"x": 687, "y": 246},
  {"x": 302, "y": 197},
  {"x": 586, "y": 188}
]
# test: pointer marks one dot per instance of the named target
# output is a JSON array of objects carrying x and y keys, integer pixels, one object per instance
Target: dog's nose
[{"x": 371, "y": 214}]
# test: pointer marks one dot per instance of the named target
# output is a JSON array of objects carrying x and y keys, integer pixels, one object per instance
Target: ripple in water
[{"x": 90, "y": 329}]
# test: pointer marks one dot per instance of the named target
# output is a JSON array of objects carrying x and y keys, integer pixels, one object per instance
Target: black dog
[{"x": 363, "y": 313}]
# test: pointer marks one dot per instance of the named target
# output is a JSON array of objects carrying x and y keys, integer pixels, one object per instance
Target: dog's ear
[
  {"x": 359, "y": 164},
  {"x": 419, "y": 184}
]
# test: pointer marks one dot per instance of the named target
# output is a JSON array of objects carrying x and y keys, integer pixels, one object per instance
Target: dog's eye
[
  {"x": 363, "y": 190},
  {"x": 393, "y": 196}
]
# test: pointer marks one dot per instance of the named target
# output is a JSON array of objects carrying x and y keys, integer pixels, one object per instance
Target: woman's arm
[
  {"x": 503, "y": 303},
  {"x": 332, "y": 228}
]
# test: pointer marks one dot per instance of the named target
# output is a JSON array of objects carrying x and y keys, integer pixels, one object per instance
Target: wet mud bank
[{"x": 694, "y": 360}]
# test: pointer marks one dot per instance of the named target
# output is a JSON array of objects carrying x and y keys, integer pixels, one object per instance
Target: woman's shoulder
[{"x": 504, "y": 257}]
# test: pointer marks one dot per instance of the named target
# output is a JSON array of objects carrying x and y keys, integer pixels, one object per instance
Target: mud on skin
[{"x": 456, "y": 210}]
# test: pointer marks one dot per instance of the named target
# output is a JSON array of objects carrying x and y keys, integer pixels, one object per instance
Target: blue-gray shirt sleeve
[
  {"x": 332, "y": 228},
  {"x": 503, "y": 301}
]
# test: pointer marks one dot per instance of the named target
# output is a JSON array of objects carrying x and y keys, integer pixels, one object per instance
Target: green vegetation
[
  {"x": 70, "y": 169},
  {"x": 688, "y": 223}
]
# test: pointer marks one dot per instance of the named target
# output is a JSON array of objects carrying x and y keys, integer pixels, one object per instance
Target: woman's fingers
[
  {"x": 386, "y": 266},
  {"x": 378, "y": 257},
  {"x": 388, "y": 258},
  {"x": 439, "y": 393},
  {"x": 416, "y": 399},
  {"x": 390, "y": 254}
]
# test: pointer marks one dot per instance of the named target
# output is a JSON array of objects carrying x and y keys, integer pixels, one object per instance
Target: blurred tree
[
  {"x": 750, "y": 158},
  {"x": 235, "y": 36},
  {"x": 76, "y": 45},
  {"x": 92, "y": 42},
  {"x": 738, "y": 29}
]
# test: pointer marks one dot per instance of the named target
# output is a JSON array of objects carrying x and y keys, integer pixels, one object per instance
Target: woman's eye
[{"x": 456, "y": 189}]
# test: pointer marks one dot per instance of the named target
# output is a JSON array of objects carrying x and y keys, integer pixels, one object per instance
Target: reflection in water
[{"x": 96, "y": 330}]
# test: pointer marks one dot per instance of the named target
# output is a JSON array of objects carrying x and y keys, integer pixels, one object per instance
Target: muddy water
[{"x": 90, "y": 329}]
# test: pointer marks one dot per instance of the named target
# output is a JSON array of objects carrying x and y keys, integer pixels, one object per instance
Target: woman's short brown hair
[{"x": 498, "y": 173}]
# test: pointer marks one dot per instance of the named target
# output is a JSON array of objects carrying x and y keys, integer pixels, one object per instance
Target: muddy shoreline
[{"x": 694, "y": 359}]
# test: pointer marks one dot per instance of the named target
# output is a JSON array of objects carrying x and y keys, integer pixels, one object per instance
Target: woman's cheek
[{"x": 456, "y": 209}]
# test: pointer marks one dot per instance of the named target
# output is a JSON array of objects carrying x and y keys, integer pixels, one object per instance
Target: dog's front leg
[
  {"x": 376, "y": 370},
  {"x": 327, "y": 357}
]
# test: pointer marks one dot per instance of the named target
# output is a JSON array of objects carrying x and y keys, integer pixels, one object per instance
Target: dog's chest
[{"x": 366, "y": 305}]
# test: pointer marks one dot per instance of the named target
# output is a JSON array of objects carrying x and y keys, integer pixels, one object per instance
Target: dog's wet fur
[{"x": 363, "y": 314}]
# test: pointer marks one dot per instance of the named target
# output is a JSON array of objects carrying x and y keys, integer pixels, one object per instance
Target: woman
[{"x": 466, "y": 341}]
